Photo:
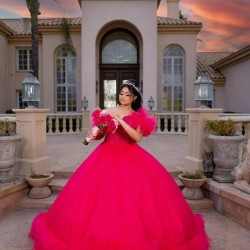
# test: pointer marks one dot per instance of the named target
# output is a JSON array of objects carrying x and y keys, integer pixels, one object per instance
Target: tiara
[{"x": 131, "y": 84}]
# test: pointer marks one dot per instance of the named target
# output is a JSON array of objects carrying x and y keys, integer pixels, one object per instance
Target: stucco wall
[
  {"x": 140, "y": 14},
  {"x": 15, "y": 77},
  {"x": 3, "y": 77},
  {"x": 237, "y": 87},
  {"x": 188, "y": 43},
  {"x": 219, "y": 97}
]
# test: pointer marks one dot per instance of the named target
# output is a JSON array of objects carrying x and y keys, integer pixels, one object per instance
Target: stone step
[
  {"x": 57, "y": 184},
  {"x": 61, "y": 178},
  {"x": 26, "y": 202}
]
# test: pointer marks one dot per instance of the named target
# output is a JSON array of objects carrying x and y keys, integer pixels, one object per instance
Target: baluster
[
  {"x": 64, "y": 124},
  {"x": 158, "y": 123},
  {"x": 50, "y": 124},
  {"x": 165, "y": 123},
  {"x": 70, "y": 124},
  {"x": 57, "y": 125},
  {"x": 172, "y": 124},
  {"x": 179, "y": 123},
  {"x": 77, "y": 123}
]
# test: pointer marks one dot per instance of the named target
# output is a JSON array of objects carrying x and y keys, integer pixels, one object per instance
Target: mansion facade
[{"x": 112, "y": 42}]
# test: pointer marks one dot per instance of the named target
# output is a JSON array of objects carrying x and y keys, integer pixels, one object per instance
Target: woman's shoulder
[{"x": 146, "y": 122}]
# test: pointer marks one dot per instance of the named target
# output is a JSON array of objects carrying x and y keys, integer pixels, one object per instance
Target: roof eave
[
  {"x": 179, "y": 29},
  {"x": 55, "y": 29},
  {"x": 232, "y": 60},
  {"x": 80, "y": 3}
]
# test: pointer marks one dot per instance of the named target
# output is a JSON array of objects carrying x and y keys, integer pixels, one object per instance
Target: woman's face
[{"x": 126, "y": 97}]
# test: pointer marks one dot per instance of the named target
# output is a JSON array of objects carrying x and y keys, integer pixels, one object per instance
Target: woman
[{"x": 121, "y": 197}]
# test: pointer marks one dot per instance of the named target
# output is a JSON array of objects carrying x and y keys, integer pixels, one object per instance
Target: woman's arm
[{"x": 135, "y": 134}]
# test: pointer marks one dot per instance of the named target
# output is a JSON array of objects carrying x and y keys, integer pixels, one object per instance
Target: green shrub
[{"x": 220, "y": 127}]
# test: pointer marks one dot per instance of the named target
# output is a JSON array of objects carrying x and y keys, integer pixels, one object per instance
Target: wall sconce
[
  {"x": 85, "y": 103},
  {"x": 151, "y": 103},
  {"x": 30, "y": 89},
  {"x": 203, "y": 89}
]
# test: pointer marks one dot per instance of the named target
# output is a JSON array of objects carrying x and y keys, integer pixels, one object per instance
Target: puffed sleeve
[{"x": 146, "y": 123}]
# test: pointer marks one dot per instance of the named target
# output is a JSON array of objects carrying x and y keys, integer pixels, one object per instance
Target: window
[
  {"x": 119, "y": 47},
  {"x": 20, "y": 103},
  {"x": 66, "y": 86},
  {"x": 24, "y": 61},
  {"x": 173, "y": 80}
]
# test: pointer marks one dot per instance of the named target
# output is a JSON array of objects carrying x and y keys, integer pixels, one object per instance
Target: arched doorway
[{"x": 119, "y": 61}]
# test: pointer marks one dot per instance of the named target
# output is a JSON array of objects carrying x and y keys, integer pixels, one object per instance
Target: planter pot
[
  {"x": 40, "y": 187},
  {"x": 7, "y": 157},
  {"x": 191, "y": 190},
  {"x": 226, "y": 155}
]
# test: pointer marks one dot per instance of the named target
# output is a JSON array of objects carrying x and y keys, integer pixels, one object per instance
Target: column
[
  {"x": 197, "y": 139},
  {"x": 31, "y": 125}
]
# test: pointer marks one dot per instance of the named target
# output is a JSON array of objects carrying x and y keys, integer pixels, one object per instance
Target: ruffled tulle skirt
[{"x": 120, "y": 198}]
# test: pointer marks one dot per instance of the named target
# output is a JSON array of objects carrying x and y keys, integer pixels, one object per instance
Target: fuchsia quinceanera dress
[{"x": 120, "y": 198}]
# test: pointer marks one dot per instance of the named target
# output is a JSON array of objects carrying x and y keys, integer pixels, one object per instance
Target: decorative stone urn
[
  {"x": 226, "y": 156},
  {"x": 191, "y": 190},
  {"x": 39, "y": 183},
  {"x": 8, "y": 141}
]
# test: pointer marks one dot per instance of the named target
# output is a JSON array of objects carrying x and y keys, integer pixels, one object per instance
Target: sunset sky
[{"x": 226, "y": 23}]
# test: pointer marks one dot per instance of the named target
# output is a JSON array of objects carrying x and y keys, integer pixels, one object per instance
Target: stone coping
[
  {"x": 228, "y": 191},
  {"x": 12, "y": 187}
]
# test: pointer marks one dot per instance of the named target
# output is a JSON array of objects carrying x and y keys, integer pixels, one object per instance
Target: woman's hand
[{"x": 115, "y": 115}]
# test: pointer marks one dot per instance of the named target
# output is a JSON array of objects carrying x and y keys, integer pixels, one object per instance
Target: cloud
[
  {"x": 48, "y": 8},
  {"x": 225, "y": 23}
]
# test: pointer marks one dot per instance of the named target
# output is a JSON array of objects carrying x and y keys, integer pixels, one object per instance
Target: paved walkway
[{"x": 67, "y": 152}]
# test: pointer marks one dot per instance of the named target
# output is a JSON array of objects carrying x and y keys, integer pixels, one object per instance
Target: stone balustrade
[{"x": 172, "y": 123}]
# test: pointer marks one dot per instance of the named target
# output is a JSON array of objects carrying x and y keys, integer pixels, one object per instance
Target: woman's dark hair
[{"x": 133, "y": 87}]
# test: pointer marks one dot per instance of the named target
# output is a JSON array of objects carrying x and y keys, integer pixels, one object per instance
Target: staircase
[{"x": 61, "y": 178}]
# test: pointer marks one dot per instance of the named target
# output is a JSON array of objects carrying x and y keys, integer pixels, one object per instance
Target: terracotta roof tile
[
  {"x": 172, "y": 21},
  {"x": 233, "y": 56},
  {"x": 18, "y": 26},
  {"x": 205, "y": 60},
  {"x": 23, "y": 26}
]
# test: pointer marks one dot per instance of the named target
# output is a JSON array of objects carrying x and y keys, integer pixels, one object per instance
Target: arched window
[
  {"x": 173, "y": 79},
  {"x": 66, "y": 85},
  {"x": 119, "y": 47}
]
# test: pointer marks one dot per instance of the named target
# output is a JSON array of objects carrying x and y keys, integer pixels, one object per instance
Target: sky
[{"x": 226, "y": 23}]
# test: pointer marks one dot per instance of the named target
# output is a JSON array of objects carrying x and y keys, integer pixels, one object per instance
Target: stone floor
[
  {"x": 66, "y": 152},
  {"x": 223, "y": 232}
]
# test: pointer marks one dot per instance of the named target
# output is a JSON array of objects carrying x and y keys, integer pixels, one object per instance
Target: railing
[
  {"x": 64, "y": 123},
  {"x": 172, "y": 123},
  {"x": 242, "y": 122}
]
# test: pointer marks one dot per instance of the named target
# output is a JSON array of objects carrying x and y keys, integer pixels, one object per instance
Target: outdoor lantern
[
  {"x": 151, "y": 103},
  {"x": 203, "y": 88},
  {"x": 30, "y": 89},
  {"x": 85, "y": 103}
]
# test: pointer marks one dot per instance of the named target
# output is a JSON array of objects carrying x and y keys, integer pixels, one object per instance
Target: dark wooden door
[{"x": 110, "y": 82}]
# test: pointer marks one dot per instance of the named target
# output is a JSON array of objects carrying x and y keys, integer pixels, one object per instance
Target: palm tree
[{"x": 33, "y": 6}]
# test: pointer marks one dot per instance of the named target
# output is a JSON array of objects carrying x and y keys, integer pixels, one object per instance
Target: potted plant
[
  {"x": 39, "y": 185},
  {"x": 8, "y": 140},
  {"x": 226, "y": 144},
  {"x": 192, "y": 182}
]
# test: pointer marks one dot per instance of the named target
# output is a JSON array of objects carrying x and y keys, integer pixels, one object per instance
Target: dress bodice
[
  {"x": 119, "y": 136},
  {"x": 147, "y": 125}
]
